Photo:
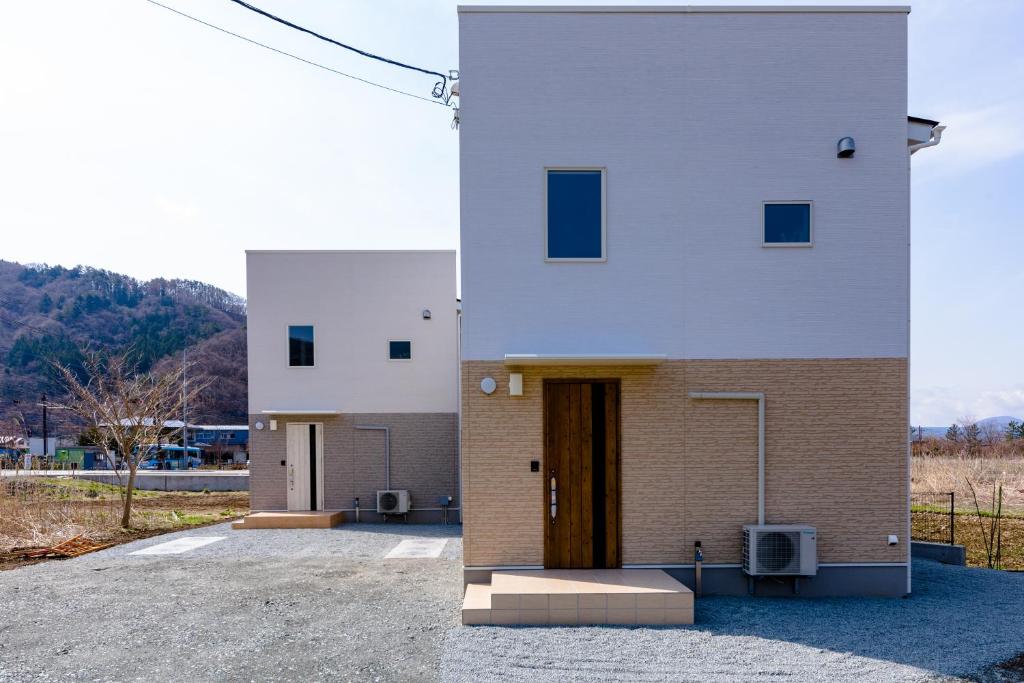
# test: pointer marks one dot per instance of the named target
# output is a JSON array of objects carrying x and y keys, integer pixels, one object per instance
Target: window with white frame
[
  {"x": 300, "y": 346},
  {"x": 400, "y": 350},
  {"x": 575, "y": 214},
  {"x": 786, "y": 224}
]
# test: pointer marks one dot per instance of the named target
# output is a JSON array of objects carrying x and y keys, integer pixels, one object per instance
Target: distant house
[
  {"x": 37, "y": 446},
  {"x": 12, "y": 449},
  {"x": 353, "y": 382},
  {"x": 221, "y": 444}
]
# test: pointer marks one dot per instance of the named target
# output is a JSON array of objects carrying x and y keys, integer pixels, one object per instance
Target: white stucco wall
[
  {"x": 698, "y": 118},
  {"x": 356, "y": 301}
]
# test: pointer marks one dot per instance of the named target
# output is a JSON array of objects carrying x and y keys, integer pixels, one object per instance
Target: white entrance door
[{"x": 305, "y": 466}]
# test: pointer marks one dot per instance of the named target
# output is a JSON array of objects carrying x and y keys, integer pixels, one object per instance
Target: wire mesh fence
[{"x": 933, "y": 517}]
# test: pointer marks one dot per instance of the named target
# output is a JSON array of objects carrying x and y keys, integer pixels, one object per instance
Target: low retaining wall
[
  {"x": 940, "y": 552},
  {"x": 148, "y": 480}
]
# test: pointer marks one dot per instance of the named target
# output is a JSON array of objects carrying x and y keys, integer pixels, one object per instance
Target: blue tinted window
[
  {"x": 400, "y": 350},
  {"x": 574, "y": 214},
  {"x": 787, "y": 223},
  {"x": 300, "y": 345}
]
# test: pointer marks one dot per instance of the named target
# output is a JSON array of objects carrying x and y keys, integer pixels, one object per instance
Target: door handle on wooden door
[
  {"x": 554, "y": 496},
  {"x": 291, "y": 477}
]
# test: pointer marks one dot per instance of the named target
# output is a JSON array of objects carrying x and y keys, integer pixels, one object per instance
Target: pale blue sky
[{"x": 135, "y": 140}]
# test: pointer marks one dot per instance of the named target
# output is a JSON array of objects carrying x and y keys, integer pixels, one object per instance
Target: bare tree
[
  {"x": 990, "y": 434},
  {"x": 954, "y": 433},
  {"x": 127, "y": 408}
]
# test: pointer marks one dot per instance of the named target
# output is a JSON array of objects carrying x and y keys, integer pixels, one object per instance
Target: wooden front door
[
  {"x": 304, "y": 445},
  {"x": 582, "y": 473}
]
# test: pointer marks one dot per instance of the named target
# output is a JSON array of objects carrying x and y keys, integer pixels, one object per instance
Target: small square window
[
  {"x": 300, "y": 346},
  {"x": 575, "y": 215},
  {"x": 400, "y": 350},
  {"x": 787, "y": 224}
]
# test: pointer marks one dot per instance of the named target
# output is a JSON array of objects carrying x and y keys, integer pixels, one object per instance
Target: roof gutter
[{"x": 934, "y": 140}]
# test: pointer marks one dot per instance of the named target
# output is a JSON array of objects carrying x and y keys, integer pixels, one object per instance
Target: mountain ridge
[{"x": 56, "y": 313}]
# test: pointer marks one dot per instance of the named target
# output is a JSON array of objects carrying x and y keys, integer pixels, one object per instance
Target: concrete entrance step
[
  {"x": 578, "y": 596},
  {"x": 289, "y": 520}
]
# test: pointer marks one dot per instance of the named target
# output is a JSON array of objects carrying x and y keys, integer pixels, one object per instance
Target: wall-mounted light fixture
[
  {"x": 426, "y": 314},
  {"x": 515, "y": 384},
  {"x": 845, "y": 148}
]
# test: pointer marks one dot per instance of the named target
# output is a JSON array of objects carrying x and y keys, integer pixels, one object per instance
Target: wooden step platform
[
  {"x": 578, "y": 597},
  {"x": 289, "y": 520}
]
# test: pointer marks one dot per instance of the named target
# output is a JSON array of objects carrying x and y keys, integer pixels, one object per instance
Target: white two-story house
[
  {"x": 685, "y": 281},
  {"x": 353, "y": 384}
]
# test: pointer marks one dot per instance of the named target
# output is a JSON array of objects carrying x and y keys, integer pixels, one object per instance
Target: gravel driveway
[
  {"x": 324, "y": 604},
  {"x": 260, "y": 605},
  {"x": 958, "y": 622}
]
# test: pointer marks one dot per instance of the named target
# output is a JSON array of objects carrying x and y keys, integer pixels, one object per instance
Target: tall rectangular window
[
  {"x": 400, "y": 350},
  {"x": 575, "y": 214},
  {"x": 787, "y": 224},
  {"x": 300, "y": 346}
]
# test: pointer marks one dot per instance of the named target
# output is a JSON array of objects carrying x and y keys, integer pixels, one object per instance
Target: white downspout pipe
[
  {"x": 746, "y": 396},
  {"x": 458, "y": 398},
  {"x": 936, "y": 137}
]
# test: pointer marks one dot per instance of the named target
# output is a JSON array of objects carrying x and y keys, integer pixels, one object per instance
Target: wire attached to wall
[{"x": 439, "y": 92}]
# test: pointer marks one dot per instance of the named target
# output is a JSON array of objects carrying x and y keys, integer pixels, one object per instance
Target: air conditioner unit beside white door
[
  {"x": 393, "y": 502},
  {"x": 780, "y": 550}
]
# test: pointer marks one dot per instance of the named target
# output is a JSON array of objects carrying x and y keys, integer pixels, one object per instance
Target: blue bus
[{"x": 167, "y": 456}]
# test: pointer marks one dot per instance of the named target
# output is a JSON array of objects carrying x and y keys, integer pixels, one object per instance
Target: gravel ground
[
  {"x": 291, "y": 605},
  {"x": 958, "y": 622},
  {"x": 261, "y": 605}
]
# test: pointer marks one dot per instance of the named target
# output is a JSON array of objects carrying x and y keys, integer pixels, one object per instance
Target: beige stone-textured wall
[
  {"x": 424, "y": 459},
  {"x": 835, "y": 444}
]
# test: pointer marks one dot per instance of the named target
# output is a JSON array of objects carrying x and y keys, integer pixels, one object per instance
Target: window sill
[{"x": 576, "y": 260}]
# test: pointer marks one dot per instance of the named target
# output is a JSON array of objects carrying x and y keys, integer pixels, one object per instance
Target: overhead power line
[
  {"x": 439, "y": 92},
  {"x": 296, "y": 57}
]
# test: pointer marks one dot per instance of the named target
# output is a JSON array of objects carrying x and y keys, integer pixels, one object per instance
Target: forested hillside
[{"x": 54, "y": 313}]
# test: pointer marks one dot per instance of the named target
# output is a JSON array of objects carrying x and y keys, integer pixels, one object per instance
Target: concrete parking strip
[
  {"x": 179, "y": 545},
  {"x": 417, "y": 548}
]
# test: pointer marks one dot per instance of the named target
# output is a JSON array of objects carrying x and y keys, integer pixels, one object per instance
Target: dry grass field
[
  {"x": 41, "y": 512},
  {"x": 945, "y": 473},
  {"x": 951, "y": 473}
]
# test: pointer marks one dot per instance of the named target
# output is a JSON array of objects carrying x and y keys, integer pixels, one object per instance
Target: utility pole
[
  {"x": 45, "y": 405},
  {"x": 184, "y": 406},
  {"x": 45, "y": 433}
]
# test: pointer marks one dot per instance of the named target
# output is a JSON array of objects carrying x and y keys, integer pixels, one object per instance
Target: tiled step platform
[
  {"x": 289, "y": 520},
  {"x": 578, "y": 596}
]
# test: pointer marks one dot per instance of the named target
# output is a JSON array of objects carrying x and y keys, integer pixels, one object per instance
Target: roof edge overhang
[
  {"x": 350, "y": 251},
  {"x": 585, "y": 358},
  {"x": 309, "y": 411},
  {"x": 683, "y": 9}
]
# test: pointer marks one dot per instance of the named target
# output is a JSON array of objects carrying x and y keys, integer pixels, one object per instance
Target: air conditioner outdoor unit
[
  {"x": 780, "y": 550},
  {"x": 393, "y": 502}
]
